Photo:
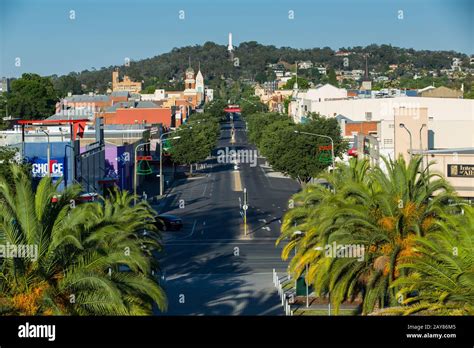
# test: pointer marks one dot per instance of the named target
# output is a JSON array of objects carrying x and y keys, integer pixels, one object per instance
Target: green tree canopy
[
  {"x": 385, "y": 213},
  {"x": 302, "y": 83},
  {"x": 300, "y": 156},
  {"x": 196, "y": 139},
  {"x": 7, "y": 157},
  {"x": 332, "y": 77},
  {"x": 251, "y": 105},
  {"x": 216, "y": 108},
  {"x": 67, "y": 84},
  {"x": 32, "y": 97},
  {"x": 257, "y": 122},
  {"x": 90, "y": 259}
]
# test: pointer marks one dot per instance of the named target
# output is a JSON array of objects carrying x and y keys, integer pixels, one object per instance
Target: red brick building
[{"x": 363, "y": 127}]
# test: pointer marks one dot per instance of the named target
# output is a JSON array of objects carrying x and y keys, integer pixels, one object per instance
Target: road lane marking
[
  {"x": 192, "y": 231},
  {"x": 265, "y": 176},
  {"x": 236, "y": 181}
]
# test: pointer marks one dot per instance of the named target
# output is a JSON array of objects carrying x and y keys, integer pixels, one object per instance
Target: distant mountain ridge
[{"x": 251, "y": 60}]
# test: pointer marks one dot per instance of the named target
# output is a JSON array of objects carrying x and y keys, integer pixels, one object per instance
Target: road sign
[
  {"x": 143, "y": 167},
  {"x": 325, "y": 157},
  {"x": 144, "y": 158},
  {"x": 245, "y": 207},
  {"x": 166, "y": 145}
]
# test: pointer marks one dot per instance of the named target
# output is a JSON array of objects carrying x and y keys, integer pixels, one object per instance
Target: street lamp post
[
  {"x": 161, "y": 157},
  {"x": 73, "y": 164},
  {"x": 135, "y": 172},
  {"x": 329, "y": 294},
  {"x": 323, "y": 136},
  {"x": 48, "y": 153},
  {"x": 402, "y": 125},
  {"x": 299, "y": 233},
  {"x": 421, "y": 145}
]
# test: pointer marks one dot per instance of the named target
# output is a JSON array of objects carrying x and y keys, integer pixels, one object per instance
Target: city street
[{"x": 210, "y": 267}]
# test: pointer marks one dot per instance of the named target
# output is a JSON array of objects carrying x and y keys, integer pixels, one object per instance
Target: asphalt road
[{"x": 210, "y": 267}]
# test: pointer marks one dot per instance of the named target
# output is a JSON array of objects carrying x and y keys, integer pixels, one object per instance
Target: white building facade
[{"x": 304, "y": 101}]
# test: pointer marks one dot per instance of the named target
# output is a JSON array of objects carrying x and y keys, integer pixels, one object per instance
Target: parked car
[{"x": 168, "y": 222}]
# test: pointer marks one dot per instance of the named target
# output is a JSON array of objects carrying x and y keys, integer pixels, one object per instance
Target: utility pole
[{"x": 48, "y": 153}]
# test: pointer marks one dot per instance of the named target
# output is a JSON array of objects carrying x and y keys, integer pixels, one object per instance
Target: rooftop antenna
[
  {"x": 296, "y": 81},
  {"x": 230, "y": 48}
]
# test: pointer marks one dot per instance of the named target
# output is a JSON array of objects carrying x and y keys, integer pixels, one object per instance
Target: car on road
[{"x": 168, "y": 222}]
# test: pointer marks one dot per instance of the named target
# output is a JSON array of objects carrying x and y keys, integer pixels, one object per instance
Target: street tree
[
  {"x": 216, "y": 108},
  {"x": 382, "y": 212},
  {"x": 257, "y": 123},
  {"x": 302, "y": 156},
  {"x": 67, "y": 84},
  {"x": 302, "y": 83},
  {"x": 195, "y": 144},
  {"x": 252, "y": 105},
  {"x": 332, "y": 77}
]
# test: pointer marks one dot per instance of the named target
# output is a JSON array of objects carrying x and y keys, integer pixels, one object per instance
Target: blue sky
[{"x": 105, "y": 32}]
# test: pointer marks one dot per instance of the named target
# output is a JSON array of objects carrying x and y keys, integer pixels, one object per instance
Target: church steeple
[
  {"x": 200, "y": 80},
  {"x": 200, "y": 84}
]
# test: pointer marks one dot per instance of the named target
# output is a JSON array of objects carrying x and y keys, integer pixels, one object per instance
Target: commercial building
[
  {"x": 449, "y": 143},
  {"x": 142, "y": 112},
  {"x": 158, "y": 95},
  {"x": 303, "y": 102},
  {"x": 95, "y": 103},
  {"x": 457, "y": 165},
  {"x": 61, "y": 156},
  {"x": 441, "y": 92},
  {"x": 125, "y": 85}
]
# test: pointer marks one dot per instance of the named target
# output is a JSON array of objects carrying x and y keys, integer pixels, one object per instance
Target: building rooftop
[
  {"x": 72, "y": 114},
  {"x": 87, "y": 98},
  {"x": 132, "y": 105},
  {"x": 120, "y": 94},
  {"x": 464, "y": 150}
]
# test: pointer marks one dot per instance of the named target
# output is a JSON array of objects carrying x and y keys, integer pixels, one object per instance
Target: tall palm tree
[
  {"x": 387, "y": 216},
  {"x": 441, "y": 278},
  {"x": 82, "y": 252},
  {"x": 304, "y": 205},
  {"x": 381, "y": 211},
  {"x": 311, "y": 215}
]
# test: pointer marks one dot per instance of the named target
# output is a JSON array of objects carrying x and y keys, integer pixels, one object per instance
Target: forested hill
[{"x": 251, "y": 63}]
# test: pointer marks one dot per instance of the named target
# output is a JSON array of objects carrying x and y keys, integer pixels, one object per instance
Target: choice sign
[{"x": 39, "y": 167}]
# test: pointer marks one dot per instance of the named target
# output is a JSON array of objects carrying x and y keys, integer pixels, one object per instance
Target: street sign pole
[{"x": 245, "y": 211}]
